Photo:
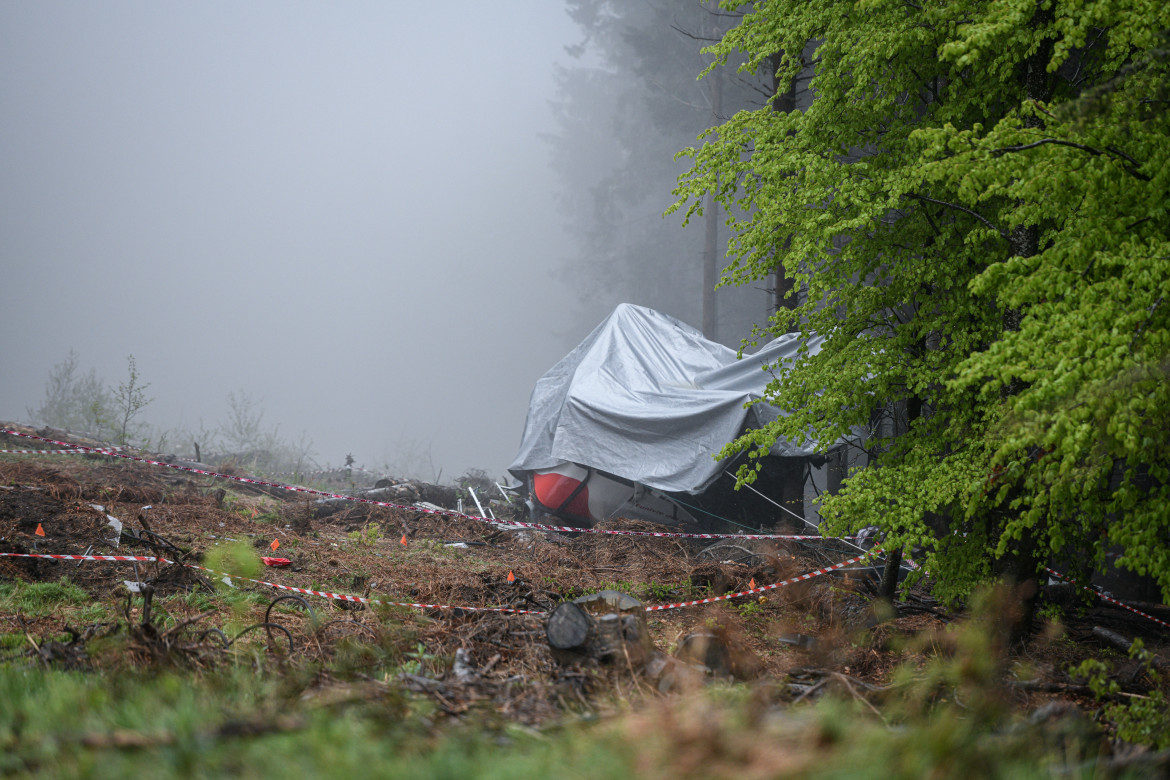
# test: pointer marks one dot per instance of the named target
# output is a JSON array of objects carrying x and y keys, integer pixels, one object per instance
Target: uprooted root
[
  {"x": 71, "y": 654},
  {"x": 186, "y": 644},
  {"x": 183, "y": 645}
]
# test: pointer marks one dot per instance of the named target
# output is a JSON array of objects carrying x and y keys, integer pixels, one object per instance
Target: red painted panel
[{"x": 552, "y": 489}]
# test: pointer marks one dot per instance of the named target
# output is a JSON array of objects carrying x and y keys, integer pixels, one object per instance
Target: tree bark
[
  {"x": 711, "y": 224},
  {"x": 889, "y": 585},
  {"x": 1018, "y": 566},
  {"x": 784, "y": 101},
  {"x": 569, "y": 627}
]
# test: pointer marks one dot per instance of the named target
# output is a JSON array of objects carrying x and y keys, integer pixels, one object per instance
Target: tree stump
[
  {"x": 720, "y": 653},
  {"x": 609, "y": 627}
]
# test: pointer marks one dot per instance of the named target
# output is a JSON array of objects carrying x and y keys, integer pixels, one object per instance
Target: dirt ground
[{"x": 790, "y": 637}]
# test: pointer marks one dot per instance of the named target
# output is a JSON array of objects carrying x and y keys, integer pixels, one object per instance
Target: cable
[
  {"x": 712, "y": 514},
  {"x": 802, "y": 519}
]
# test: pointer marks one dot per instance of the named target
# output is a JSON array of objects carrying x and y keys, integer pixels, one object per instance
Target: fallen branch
[
  {"x": 125, "y": 739},
  {"x": 1123, "y": 644},
  {"x": 1042, "y": 686},
  {"x": 811, "y": 690},
  {"x": 849, "y": 686}
]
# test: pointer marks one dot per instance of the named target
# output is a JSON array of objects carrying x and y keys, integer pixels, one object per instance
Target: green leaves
[{"x": 976, "y": 206}]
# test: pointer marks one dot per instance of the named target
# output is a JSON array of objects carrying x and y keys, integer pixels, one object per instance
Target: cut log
[
  {"x": 569, "y": 627},
  {"x": 609, "y": 627},
  {"x": 1124, "y": 644},
  {"x": 401, "y": 493}
]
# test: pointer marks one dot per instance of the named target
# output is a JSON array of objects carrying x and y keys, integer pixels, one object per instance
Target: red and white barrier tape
[
  {"x": 367, "y": 600},
  {"x": 56, "y": 452},
  {"x": 77, "y": 448},
  {"x": 773, "y": 586},
  {"x": 427, "y": 510},
  {"x": 50, "y": 556},
  {"x": 307, "y": 591},
  {"x": 1104, "y": 597}
]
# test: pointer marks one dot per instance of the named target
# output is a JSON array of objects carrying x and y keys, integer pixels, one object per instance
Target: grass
[
  {"x": 947, "y": 716},
  {"x": 258, "y": 723},
  {"x": 339, "y": 706},
  {"x": 39, "y": 599},
  {"x": 70, "y": 725}
]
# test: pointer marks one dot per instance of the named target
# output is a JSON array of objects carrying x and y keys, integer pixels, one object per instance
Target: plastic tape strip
[
  {"x": 56, "y": 452},
  {"x": 366, "y": 600},
  {"x": 308, "y": 591},
  {"x": 409, "y": 508},
  {"x": 1110, "y": 599},
  {"x": 773, "y": 586}
]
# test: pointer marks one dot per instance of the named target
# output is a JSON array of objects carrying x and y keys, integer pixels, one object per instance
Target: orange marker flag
[
  {"x": 511, "y": 576},
  {"x": 752, "y": 584},
  {"x": 403, "y": 540},
  {"x": 40, "y": 531},
  {"x": 275, "y": 544}
]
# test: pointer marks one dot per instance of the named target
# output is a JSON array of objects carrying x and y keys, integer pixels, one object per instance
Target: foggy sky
[{"x": 343, "y": 209}]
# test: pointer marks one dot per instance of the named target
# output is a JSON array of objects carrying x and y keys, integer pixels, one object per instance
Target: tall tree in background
[
  {"x": 976, "y": 205},
  {"x": 623, "y": 113}
]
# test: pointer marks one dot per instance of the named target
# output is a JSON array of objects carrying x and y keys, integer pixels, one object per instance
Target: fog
[
  {"x": 343, "y": 210},
  {"x": 380, "y": 222}
]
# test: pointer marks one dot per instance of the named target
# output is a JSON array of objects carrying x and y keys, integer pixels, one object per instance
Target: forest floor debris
[{"x": 823, "y": 638}]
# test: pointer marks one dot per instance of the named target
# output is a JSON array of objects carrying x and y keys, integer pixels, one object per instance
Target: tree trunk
[
  {"x": 1018, "y": 566},
  {"x": 889, "y": 586},
  {"x": 711, "y": 223},
  {"x": 784, "y": 101}
]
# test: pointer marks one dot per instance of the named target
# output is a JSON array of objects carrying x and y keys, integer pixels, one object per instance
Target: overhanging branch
[
  {"x": 1003, "y": 233},
  {"x": 1131, "y": 166}
]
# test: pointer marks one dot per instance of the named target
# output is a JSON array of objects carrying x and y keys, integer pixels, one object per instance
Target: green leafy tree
[{"x": 975, "y": 203}]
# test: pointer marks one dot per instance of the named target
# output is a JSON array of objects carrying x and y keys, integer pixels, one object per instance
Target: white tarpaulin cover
[{"x": 646, "y": 397}]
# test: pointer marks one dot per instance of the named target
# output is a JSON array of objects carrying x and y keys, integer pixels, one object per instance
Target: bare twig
[
  {"x": 811, "y": 690},
  {"x": 849, "y": 686}
]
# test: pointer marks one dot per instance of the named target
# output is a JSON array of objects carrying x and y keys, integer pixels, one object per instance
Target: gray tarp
[{"x": 648, "y": 398}]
